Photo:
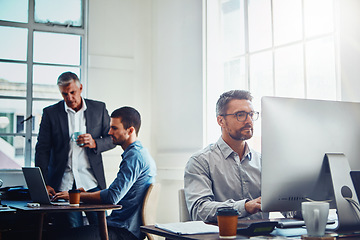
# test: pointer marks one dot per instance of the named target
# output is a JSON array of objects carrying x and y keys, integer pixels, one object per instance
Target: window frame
[
  {"x": 32, "y": 26},
  {"x": 215, "y": 62}
]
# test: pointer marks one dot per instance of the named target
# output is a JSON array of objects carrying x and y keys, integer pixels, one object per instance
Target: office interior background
[{"x": 170, "y": 59}]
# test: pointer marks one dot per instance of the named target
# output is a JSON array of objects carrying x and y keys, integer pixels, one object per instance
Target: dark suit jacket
[{"x": 52, "y": 148}]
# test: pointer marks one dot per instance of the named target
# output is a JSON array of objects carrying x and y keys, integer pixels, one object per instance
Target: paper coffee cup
[
  {"x": 74, "y": 197},
  {"x": 227, "y": 221}
]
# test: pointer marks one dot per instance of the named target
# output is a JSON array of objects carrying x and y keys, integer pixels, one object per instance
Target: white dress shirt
[{"x": 78, "y": 167}]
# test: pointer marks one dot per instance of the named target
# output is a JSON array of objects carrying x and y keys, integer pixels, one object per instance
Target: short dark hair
[
  {"x": 66, "y": 78},
  {"x": 130, "y": 117},
  {"x": 226, "y": 97}
]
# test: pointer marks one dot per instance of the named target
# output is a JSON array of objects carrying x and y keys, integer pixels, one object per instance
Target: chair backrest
[
  {"x": 150, "y": 205},
  {"x": 183, "y": 211}
]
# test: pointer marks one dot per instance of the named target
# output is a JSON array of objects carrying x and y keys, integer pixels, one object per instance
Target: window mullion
[
  {"x": 304, "y": 48},
  {"x": 273, "y": 49},
  {"x": 246, "y": 38},
  {"x": 84, "y": 47},
  {"x": 29, "y": 87}
]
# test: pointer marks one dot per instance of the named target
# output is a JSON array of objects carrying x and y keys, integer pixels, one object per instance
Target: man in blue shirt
[{"x": 137, "y": 171}]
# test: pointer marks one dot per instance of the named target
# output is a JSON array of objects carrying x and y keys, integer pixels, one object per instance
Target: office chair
[
  {"x": 183, "y": 211},
  {"x": 149, "y": 207}
]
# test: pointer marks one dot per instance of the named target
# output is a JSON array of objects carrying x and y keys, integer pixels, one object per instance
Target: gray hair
[
  {"x": 66, "y": 78},
  {"x": 226, "y": 97}
]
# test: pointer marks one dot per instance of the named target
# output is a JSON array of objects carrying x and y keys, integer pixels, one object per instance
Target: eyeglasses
[{"x": 242, "y": 116}]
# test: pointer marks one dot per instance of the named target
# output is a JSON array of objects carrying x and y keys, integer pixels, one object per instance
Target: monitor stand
[{"x": 348, "y": 214}]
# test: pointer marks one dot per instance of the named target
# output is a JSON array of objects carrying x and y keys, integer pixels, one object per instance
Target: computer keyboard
[
  {"x": 294, "y": 223},
  {"x": 288, "y": 223}
]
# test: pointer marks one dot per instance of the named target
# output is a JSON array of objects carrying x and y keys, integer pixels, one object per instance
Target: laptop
[{"x": 36, "y": 185}]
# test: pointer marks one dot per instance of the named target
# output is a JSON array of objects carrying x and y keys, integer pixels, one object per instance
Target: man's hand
[
  {"x": 64, "y": 195},
  {"x": 87, "y": 141},
  {"x": 61, "y": 195},
  {"x": 50, "y": 190},
  {"x": 253, "y": 206}
]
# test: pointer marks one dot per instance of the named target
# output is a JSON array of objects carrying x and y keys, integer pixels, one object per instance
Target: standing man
[
  {"x": 226, "y": 173},
  {"x": 68, "y": 164},
  {"x": 136, "y": 172}
]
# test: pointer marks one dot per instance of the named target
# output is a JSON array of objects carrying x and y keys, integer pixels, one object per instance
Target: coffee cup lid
[
  {"x": 227, "y": 211},
  {"x": 74, "y": 191}
]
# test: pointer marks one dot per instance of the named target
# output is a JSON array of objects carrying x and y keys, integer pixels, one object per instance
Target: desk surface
[
  {"x": 169, "y": 235},
  {"x": 214, "y": 236},
  {"x": 22, "y": 205},
  {"x": 159, "y": 232}
]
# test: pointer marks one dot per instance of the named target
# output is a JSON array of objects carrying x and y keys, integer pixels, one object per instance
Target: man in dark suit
[{"x": 68, "y": 162}]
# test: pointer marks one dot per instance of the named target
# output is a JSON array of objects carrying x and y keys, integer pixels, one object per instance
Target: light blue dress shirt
[
  {"x": 216, "y": 177},
  {"x": 137, "y": 171}
]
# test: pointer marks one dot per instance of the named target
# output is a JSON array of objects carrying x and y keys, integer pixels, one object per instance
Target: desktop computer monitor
[{"x": 308, "y": 149}]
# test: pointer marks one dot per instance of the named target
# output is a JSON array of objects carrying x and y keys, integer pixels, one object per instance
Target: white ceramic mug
[{"x": 315, "y": 215}]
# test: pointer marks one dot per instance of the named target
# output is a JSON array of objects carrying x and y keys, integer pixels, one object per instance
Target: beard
[
  {"x": 242, "y": 137},
  {"x": 117, "y": 141}
]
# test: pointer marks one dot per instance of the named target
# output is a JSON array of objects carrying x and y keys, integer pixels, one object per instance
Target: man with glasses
[{"x": 227, "y": 173}]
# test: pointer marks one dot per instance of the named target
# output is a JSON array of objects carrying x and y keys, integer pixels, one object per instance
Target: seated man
[
  {"x": 226, "y": 173},
  {"x": 137, "y": 171}
]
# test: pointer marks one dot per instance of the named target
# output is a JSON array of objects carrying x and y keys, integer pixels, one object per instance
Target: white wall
[
  {"x": 148, "y": 54},
  {"x": 119, "y": 67},
  {"x": 177, "y": 93}
]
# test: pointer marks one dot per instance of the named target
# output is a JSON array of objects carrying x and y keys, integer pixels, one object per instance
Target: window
[
  {"x": 272, "y": 48},
  {"x": 43, "y": 39}
]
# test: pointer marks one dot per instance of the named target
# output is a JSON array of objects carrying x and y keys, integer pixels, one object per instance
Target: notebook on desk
[{"x": 36, "y": 185}]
